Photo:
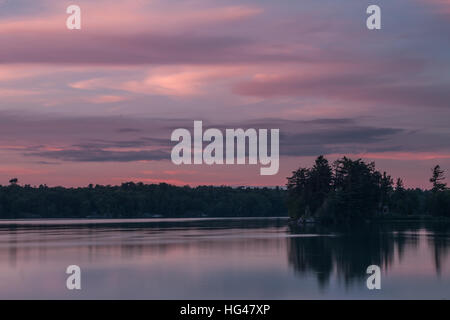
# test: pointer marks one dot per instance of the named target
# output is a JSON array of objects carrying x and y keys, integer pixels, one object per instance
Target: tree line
[
  {"x": 138, "y": 200},
  {"x": 350, "y": 190},
  {"x": 344, "y": 191}
]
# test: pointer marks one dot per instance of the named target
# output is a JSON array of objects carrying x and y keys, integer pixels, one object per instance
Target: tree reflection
[
  {"x": 347, "y": 252},
  {"x": 439, "y": 242}
]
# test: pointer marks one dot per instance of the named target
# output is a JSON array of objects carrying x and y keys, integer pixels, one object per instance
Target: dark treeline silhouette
[
  {"x": 351, "y": 190},
  {"x": 346, "y": 191},
  {"x": 138, "y": 200}
]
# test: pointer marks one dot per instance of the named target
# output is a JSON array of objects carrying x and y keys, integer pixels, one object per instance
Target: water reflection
[
  {"x": 344, "y": 252},
  {"x": 221, "y": 259},
  {"x": 440, "y": 242}
]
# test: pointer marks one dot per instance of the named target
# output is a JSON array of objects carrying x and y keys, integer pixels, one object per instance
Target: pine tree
[{"x": 437, "y": 178}]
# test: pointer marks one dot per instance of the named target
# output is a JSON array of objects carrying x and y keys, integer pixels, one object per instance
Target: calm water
[{"x": 221, "y": 259}]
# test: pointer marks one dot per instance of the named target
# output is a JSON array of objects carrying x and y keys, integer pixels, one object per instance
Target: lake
[{"x": 221, "y": 259}]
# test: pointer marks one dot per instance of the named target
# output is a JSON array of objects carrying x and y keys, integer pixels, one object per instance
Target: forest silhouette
[
  {"x": 345, "y": 191},
  {"x": 353, "y": 190}
]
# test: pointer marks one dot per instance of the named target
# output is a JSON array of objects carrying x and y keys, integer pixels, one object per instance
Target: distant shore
[
  {"x": 384, "y": 219},
  {"x": 139, "y": 200}
]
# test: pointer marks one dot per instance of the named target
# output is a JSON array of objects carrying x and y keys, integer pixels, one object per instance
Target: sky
[{"x": 98, "y": 105}]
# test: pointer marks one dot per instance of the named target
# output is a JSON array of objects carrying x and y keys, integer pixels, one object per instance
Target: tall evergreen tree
[
  {"x": 320, "y": 182},
  {"x": 298, "y": 192},
  {"x": 437, "y": 179}
]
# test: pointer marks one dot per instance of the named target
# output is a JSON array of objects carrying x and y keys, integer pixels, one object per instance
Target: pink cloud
[
  {"x": 406, "y": 156},
  {"x": 106, "y": 99},
  {"x": 129, "y": 17},
  {"x": 180, "y": 172},
  {"x": 14, "y": 72},
  {"x": 14, "y": 170},
  {"x": 362, "y": 86},
  {"x": 177, "y": 81},
  {"x": 6, "y": 92},
  {"x": 443, "y": 6},
  {"x": 114, "y": 32},
  {"x": 181, "y": 81}
]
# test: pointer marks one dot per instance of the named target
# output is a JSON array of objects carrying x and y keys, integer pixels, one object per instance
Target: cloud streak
[
  {"x": 370, "y": 87},
  {"x": 126, "y": 139}
]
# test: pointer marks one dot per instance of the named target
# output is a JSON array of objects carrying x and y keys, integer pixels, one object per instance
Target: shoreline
[{"x": 393, "y": 218}]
